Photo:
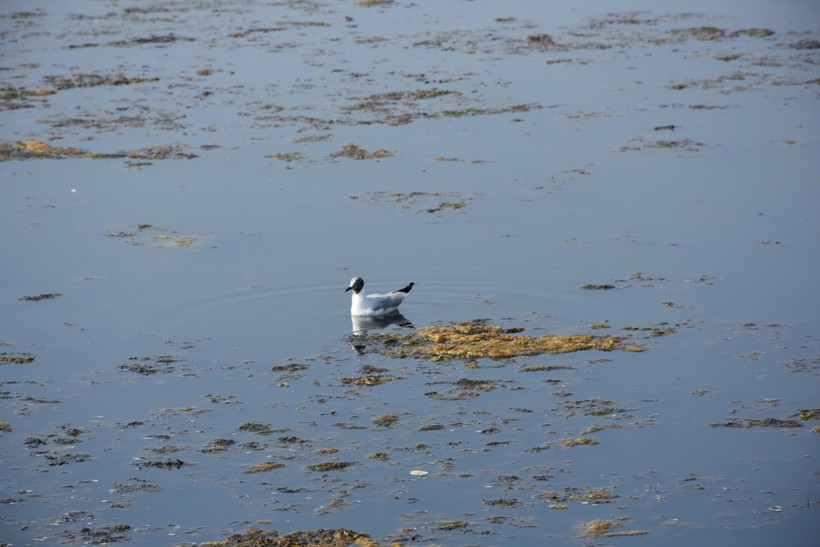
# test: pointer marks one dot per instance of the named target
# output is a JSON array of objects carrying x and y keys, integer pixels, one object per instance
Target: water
[{"x": 635, "y": 149}]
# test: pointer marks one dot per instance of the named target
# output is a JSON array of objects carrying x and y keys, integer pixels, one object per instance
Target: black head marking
[{"x": 356, "y": 285}]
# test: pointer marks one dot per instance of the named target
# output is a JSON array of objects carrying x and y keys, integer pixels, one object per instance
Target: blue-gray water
[{"x": 669, "y": 150}]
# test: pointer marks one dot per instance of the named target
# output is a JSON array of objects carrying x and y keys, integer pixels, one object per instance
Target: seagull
[{"x": 375, "y": 305}]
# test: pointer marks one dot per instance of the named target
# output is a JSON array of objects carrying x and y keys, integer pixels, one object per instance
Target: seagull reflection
[{"x": 362, "y": 324}]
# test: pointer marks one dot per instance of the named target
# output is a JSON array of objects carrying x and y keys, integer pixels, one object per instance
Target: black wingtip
[{"x": 406, "y": 289}]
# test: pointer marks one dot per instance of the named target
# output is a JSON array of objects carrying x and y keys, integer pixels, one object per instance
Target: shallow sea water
[{"x": 201, "y": 328}]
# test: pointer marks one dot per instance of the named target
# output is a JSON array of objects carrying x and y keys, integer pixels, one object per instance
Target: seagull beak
[{"x": 347, "y": 289}]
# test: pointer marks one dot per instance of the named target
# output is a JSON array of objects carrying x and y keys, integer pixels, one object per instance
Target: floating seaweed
[
  {"x": 16, "y": 358},
  {"x": 38, "y": 297},
  {"x": 388, "y": 420},
  {"x": 94, "y": 80},
  {"x": 162, "y": 464},
  {"x": 257, "y": 428},
  {"x": 36, "y": 149},
  {"x": 329, "y": 466},
  {"x": 580, "y": 441},
  {"x": 369, "y": 380},
  {"x": 105, "y": 534},
  {"x": 756, "y": 422},
  {"x": 594, "y": 495},
  {"x": 263, "y": 467},
  {"x": 254, "y": 537},
  {"x": 218, "y": 445},
  {"x": 147, "y": 366},
  {"x": 471, "y": 340},
  {"x": 356, "y": 152},
  {"x": 608, "y": 528}
]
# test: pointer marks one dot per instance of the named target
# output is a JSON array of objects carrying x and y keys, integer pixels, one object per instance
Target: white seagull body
[{"x": 375, "y": 305}]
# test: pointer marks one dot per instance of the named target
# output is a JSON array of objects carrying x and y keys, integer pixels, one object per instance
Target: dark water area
[{"x": 186, "y": 189}]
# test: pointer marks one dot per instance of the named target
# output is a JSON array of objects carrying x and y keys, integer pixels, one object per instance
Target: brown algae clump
[
  {"x": 35, "y": 149},
  {"x": 608, "y": 528},
  {"x": 580, "y": 441},
  {"x": 38, "y": 297},
  {"x": 388, "y": 420},
  {"x": 476, "y": 340},
  {"x": 452, "y": 524},
  {"x": 598, "y": 528},
  {"x": 329, "y": 466},
  {"x": 370, "y": 380},
  {"x": 16, "y": 358},
  {"x": 263, "y": 467},
  {"x": 356, "y": 152},
  {"x": 339, "y": 537}
]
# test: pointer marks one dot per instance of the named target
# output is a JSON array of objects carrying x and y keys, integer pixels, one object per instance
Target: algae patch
[
  {"x": 356, "y": 152},
  {"x": 329, "y": 466},
  {"x": 472, "y": 340},
  {"x": 338, "y": 537},
  {"x": 36, "y": 149},
  {"x": 38, "y": 297},
  {"x": 263, "y": 467},
  {"x": 16, "y": 358},
  {"x": 746, "y": 423},
  {"x": 579, "y": 441},
  {"x": 608, "y": 528},
  {"x": 419, "y": 202}
]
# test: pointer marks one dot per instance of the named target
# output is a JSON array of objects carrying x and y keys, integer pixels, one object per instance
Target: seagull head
[{"x": 356, "y": 285}]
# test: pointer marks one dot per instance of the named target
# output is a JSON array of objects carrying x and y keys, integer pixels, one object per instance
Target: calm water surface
[{"x": 511, "y": 155}]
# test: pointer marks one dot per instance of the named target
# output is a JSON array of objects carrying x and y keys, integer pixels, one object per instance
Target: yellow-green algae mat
[{"x": 472, "y": 340}]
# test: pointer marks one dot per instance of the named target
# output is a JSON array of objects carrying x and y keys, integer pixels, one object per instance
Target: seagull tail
[{"x": 406, "y": 289}]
